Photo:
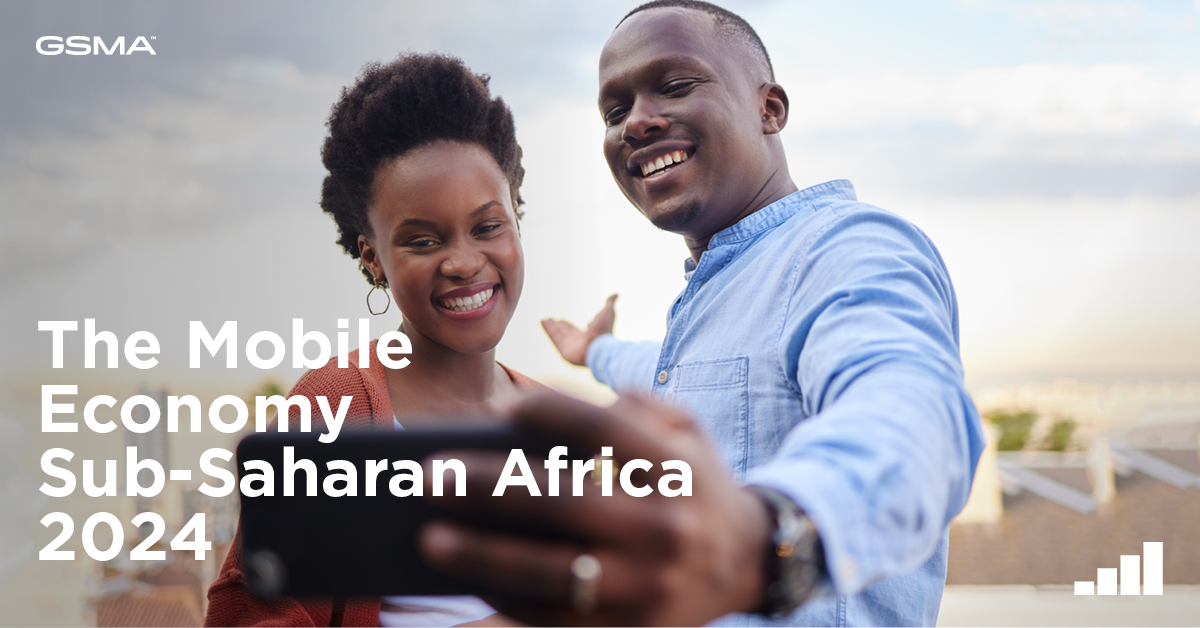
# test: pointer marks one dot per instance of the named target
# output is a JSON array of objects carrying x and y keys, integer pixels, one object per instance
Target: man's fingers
[
  {"x": 557, "y": 329},
  {"x": 570, "y": 341},
  {"x": 590, "y": 517},
  {"x": 602, "y": 322},
  {"x": 516, "y": 566},
  {"x": 534, "y": 576}
]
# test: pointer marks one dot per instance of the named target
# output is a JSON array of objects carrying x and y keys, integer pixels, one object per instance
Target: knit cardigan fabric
[{"x": 230, "y": 602}]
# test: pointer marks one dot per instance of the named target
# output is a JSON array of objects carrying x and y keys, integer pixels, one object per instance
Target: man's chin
[{"x": 677, "y": 219}]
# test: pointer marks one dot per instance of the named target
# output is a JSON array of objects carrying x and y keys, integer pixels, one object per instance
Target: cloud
[
  {"x": 247, "y": 143},
  {"x": 1039, "y": 98},
  {"x": 1075, "y": 25},
  {"x": 226, "y": 121},
  {"x": 1033, "y": 130}
]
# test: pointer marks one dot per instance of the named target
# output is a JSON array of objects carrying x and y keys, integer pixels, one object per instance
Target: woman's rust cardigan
[{"x": 230, "y": 602}]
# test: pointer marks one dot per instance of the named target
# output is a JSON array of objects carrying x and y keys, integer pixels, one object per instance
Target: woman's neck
[{"x": 442, "y": 380}]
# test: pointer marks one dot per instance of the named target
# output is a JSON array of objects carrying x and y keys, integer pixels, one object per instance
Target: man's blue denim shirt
[{"x": 817, "y": 343}]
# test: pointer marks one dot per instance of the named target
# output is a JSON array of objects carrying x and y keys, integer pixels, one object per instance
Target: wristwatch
[{"x": 795, "y": 560}]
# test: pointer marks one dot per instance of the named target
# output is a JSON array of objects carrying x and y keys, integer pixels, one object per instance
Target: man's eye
[
  {"x": 614, "y": 116},
  {"x": 676, "y": 87}
]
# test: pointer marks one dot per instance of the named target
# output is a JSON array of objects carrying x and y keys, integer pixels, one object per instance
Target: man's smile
[{"x": 658, "y": 164}]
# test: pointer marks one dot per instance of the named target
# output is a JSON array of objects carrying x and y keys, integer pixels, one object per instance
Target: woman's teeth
[
  {"x": 466, "y": 304},
  {"x": 662, "y": 162}
]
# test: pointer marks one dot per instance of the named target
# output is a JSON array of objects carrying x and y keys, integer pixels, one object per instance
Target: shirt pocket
[{"x": 716, "y": 391}]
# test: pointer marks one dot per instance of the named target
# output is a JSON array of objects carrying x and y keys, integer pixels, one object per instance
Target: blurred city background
[{"x": 1050, "y": 148}]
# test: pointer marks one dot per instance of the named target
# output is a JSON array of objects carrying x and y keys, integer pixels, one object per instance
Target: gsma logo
[{"x": 79, "y": 45}]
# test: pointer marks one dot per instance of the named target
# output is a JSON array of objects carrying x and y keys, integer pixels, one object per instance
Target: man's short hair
[{"x": 727, "y": 23}]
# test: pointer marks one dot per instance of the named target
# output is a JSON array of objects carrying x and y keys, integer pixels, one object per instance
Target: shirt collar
[{"x": 776, "y": 213}]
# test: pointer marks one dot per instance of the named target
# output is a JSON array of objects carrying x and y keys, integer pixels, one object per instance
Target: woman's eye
[
  {"x": 487, "y": 228},
  {"x": 421, "y": 243}
]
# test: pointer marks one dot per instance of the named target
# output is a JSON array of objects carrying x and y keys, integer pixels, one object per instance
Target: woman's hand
[{"x": 572, "y": 343}]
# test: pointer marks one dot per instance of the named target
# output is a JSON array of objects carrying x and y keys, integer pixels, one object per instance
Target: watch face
[
  {"x": 798, "y": 572},
  {"x": 794, "y": 566}
]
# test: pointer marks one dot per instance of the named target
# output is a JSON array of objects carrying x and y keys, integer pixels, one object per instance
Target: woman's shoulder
[
  {"x": 330, "y": 380},
  {"x": 367, "y": 387},
  {"x": 352, "y": 377},
  {"x": 523, "y": 382}
]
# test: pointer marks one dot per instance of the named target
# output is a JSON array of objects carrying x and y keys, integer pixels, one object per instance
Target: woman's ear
[
  {"x": 370, "y": 259},
  {"x": 516, "y": 202},
  {"x": 774, "y": 105}
]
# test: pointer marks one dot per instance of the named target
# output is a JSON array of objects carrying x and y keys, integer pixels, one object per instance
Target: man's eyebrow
[{"x": 658, "y": 67}]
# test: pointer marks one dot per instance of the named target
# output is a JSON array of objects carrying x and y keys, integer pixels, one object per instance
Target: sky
[{"x": 1051, "y": 149}]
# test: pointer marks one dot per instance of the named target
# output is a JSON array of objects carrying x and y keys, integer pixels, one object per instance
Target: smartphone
[{"x": 359, "y": 545}]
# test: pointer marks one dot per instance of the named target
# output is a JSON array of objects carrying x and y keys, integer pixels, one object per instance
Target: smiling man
[
  {"x": 815, "y": 346},
  {"x": 677, "y": 88}
]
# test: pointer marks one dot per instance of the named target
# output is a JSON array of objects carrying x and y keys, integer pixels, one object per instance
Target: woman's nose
[{"x": 463, "y": 262}]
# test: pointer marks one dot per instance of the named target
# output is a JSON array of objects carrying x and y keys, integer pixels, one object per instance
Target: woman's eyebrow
[
  {"x": 421, "y": 222},
  {"x": 482, "y": 208},
  {"x": 418, "y": 222}
]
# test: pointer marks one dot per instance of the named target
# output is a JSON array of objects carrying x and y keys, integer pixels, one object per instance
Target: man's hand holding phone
[{"x": 657, "y": 559}]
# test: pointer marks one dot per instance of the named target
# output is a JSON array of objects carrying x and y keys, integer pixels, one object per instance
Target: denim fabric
[{"x": 817, "y": 343}]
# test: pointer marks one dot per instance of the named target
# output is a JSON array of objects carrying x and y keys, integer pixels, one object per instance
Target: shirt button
[
  {"x": 663, "y": 377},
  {"x": 849, "y": 569}
]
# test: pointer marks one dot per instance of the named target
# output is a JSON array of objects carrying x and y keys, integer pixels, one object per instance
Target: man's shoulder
[
  {"x": 843, "y": 223},
  {"x": 830, "y": 210}
]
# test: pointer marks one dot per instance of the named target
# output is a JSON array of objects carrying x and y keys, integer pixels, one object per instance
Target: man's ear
[
  {"x": 774, "y": 105},
  {"x": 370, "y": 259}
]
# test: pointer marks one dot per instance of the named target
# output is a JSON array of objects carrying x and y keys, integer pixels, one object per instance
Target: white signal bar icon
[{"x": 1151, "y": 578}]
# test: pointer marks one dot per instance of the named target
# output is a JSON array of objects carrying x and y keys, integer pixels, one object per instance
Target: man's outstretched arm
[
  {"x": 623, "y": 366},
  {"x": 888, "y": 452}
]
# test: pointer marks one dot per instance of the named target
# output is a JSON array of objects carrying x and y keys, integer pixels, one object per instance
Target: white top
[{"x": 431, "y": 610}]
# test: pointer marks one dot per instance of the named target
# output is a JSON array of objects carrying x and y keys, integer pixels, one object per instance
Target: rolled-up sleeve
[
  {"x": 623, "y": 366},
  {"x": 886, "y": 458}
]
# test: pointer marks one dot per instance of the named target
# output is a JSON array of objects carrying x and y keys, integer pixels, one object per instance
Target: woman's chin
[
  {"x": 470, "y": 342},
  {"x": 473, "y": 348}
]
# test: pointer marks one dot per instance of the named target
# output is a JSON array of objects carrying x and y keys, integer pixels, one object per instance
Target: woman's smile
[{"x": 469, "y": 303}]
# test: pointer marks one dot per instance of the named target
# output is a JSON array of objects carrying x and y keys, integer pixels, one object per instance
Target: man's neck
[{"x": 779, "y": 185}]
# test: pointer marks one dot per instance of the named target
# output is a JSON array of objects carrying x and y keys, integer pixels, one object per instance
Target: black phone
[{"x": 360, "y": 545}]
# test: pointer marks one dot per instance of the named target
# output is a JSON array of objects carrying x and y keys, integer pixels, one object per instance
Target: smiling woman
[
  {"x": 444, "y": 236},
  {"x": 424, "y": 173}
]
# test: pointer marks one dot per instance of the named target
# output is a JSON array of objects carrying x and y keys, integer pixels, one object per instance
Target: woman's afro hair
[{"x": 400, "y": 106}]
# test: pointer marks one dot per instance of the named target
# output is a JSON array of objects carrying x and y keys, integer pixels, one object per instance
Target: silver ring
[{"x": 585, "y": 583}]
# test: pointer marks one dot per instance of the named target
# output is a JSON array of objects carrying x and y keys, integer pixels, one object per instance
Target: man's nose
[
  {"x": 644, "y": 121},
  {"x": 463, "y": 262}
]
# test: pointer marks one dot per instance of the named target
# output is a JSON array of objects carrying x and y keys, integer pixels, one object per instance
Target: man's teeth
[
  {"x": 664, "y": 161},
  {"x": 466, "y": 304}
]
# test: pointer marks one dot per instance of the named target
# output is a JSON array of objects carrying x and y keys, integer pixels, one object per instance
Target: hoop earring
[{"x": 381, "y": 287}]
